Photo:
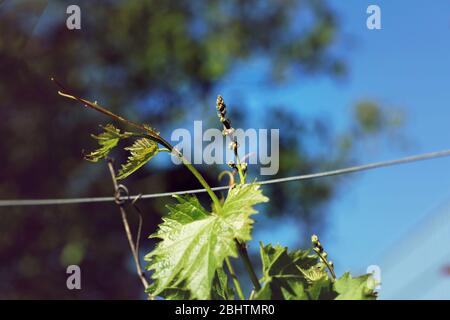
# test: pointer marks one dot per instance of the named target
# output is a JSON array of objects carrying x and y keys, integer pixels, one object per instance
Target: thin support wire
[{"x": 370, "y": 166}]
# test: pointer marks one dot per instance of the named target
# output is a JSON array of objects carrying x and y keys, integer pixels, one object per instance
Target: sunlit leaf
[
  {"x": 195, "y": 242},
  {"x": 141, "y": 152},
  {"x": 283, "y": 278},
  {"x": 298, "y": 275},
  {"x": 220, "y": 288},
  {"x": 107, "y": 141},
  {"x": 358, "y": 288}
]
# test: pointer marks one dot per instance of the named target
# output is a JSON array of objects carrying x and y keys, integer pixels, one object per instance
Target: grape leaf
[
  {"x": 359, "y": 288},
  {"x": 195, "y": 242},
  {"x": 298, "y": 275},
  {"x": 283, "y": 278},
  {"x": 277, "y": 260},
  {"x": 220, "y": 288},
  {"x": 321, "y": 288},
  {"x": 107, "y": 140},
  {"x": 172, "y": 293},
  {"x": 141, "y": 152}
]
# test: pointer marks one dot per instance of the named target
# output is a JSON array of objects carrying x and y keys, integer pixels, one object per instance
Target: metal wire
[{"x": 374, "y": 165}]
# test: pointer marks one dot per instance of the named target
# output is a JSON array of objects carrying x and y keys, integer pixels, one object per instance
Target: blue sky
[{"x": 406, "y": 64}]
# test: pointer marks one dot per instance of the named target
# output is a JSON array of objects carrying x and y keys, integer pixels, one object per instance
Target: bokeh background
[{"x": 340, "y": 94}]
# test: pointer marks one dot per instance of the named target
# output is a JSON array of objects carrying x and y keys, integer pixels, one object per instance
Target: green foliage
[
  {"x": 220, "y": 289},
  {"x": 283, "y": 275},
  {"x": 107, "y": 141},
  {"x": 369, "y": 115},
  {"x": 359, "y": 288},
  {"x": 373, "y": 118},
  {"x": 300, "y": 276},
  {"x": 188, "y": 262},
  {"x": 141, "y": 152},
  {"x": 195, "y": 242}
]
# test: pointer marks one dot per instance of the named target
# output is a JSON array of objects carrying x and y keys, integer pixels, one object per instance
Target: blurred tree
[{"x": 154, "y": 61}]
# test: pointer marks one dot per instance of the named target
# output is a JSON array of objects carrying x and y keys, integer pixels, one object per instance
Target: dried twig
[{"x": 133, "y": 245}]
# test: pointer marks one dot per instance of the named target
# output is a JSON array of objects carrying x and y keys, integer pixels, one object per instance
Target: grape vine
[{"x": 193, "y": 258}]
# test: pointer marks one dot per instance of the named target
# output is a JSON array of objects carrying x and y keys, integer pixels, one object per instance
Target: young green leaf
[
  {"x": 298, "y": 275},
  {"x": 220, "y": 288},
  {"x": 239, "y": 204},
  {"x": 282, "y": 273},
  {"x": 359, "y": 288},
  {"x": 321, "y": 288},
  {"x": 195, "y": 243},
  {"x": 172, "y": 293},
  {"x": 141, "y": 152},
  {"x": 278, "y": 260},
  {"x": 107, "y": 140}
]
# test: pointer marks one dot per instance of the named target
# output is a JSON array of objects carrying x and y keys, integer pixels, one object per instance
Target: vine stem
[
  {"x": 248, "y": 264},
  {"x": 327, "y": 264},
  {"x": 242, "y": 247},
  {"x": 126, "y": 225},
  {"x": 239, "y": 167},
  {"x": 203, "y": 182},
  {"x": 151, "y": 133},
  {"x": 236, "y": 283}
]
